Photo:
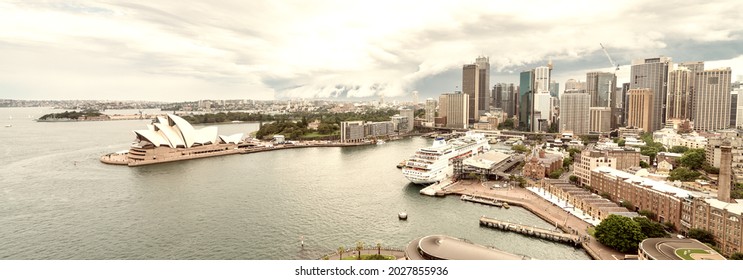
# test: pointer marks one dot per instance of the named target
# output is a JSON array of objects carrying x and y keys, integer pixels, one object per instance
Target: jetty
[
  {"x": 552, "y": 235},
  {"x": 482, "y": 200}
]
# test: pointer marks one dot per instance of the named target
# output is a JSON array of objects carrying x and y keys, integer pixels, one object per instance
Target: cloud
[{"x": 334, "y": 49}]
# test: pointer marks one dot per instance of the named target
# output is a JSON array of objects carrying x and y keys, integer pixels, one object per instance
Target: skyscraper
[
  {"x": 526, "y": 100},
  {"x": 483, "y": 99},
  {"x": 476, "y": 83},
  {"x": 625, "y": 102},
  {"x": 678, "y": 102},
  {"x": 554, "y": 89},
  {"x": 455, "y": 107},
  {"x": 600, "y": 86},
  {"x": 430, "y": 109},
  {"x": 506, "y": 98},
  {"x": 640, "y": 109},
  {"x": 712, "y": 99},
  {"x": 695, "y": 67},
  {"x": 542, "y": 111},
  {"x": 572, "y": 84},
  {"x": 574, "y": 106},
  {"x": 542, "y": 79},
  {"x": 652, "y": 73},
  {"x": 471, "y": 87}
]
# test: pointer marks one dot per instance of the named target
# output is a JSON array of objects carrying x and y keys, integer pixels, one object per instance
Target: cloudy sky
[{"x": 222, "y": 49}]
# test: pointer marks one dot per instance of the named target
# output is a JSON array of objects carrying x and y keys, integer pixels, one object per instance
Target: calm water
[{"x": 57, "y": 201}]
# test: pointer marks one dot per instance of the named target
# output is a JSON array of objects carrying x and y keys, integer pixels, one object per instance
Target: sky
[{"x": 358, "y": 50}]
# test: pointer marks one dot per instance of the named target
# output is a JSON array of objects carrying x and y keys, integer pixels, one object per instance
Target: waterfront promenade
[
  {"x": 546, "y": 210},
  {"x": 399, "y": 254}
]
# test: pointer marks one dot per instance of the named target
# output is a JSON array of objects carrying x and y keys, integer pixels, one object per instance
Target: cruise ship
[{"x": 432, "y": 164}]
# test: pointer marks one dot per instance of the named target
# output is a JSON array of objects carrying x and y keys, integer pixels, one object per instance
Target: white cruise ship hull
[{"x": 438, "y": 167}]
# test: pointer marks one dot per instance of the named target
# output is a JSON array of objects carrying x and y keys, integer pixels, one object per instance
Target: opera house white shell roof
[{"x": 175, "y": 132}]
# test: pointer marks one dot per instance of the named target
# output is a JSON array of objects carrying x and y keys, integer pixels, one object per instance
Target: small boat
[
  {"x": 505, "y": 205},
  {"x": 402, "y": 164},
  {"x": 380, "y": 142},
  {"x": 402, "y": 215},
  {"x": 8, "y": 125}
]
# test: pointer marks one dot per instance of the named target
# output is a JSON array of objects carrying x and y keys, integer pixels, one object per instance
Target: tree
[
  {"x": 556, "y": 174},
  {"x": 574, "y": 179},
  {"x": 379, "y": 248},
  {"x": 683, "y": 174},
  {"x": 702, "y": 235},
  {"x": 507, "y": 124},
  {"x": 679, "y": 149},
  {"x": 693, "y": 159},
  {"x": 521, "y": 149},
  {"x": 567, "y": 162},
  {"x": 572, "y": 152},
  {"x": 619, "y": 232},
  {"x": 644, "y": 164},
  {"x": 340, "y": 252},
  {"x": 605, "y": 195},
  {"x": 359, "y": 247},
  {"x": 651, "y": 229},
  {"x": 627, "y": 204},
  {"x": 736, "y": 256},
  {"x": 647, "y": 213},
  {"x": 621, "y": 143}
]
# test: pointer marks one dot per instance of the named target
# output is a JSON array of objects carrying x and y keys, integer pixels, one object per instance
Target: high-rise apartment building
[
  {"x": 652, "y": 73},
  {"x": 574, "y": 112},
  {"x": 431, "y": 109},
  {"x": 712, "y": 99},
  {"x": 640, "y": 109},
  {"x": 695, "y": 67},
  {"x": 476, "y": 84},
  {"x": 678, "y": 102},
  {"x": 410, "y": 114},
  {"x": 455, "y": 107},
  {"x": 542, "y": 111}
]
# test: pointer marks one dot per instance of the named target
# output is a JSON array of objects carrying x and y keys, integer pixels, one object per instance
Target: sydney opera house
[{"x": 171, "y": 138}]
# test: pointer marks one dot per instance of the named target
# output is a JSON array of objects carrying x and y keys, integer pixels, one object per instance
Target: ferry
[{"x": 432, "y": 164}]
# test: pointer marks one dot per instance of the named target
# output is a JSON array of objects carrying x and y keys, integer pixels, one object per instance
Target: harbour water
[{"x": 57, "y": 201}]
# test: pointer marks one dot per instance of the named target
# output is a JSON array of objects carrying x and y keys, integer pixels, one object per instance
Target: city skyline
[{"x": 265, "y": 50}]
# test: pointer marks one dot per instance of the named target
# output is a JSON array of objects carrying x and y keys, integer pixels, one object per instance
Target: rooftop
[
  {"x": 678, "y": 249},
  {"x": 444, "y": 247},
  {"x": 642, "y": 181}
]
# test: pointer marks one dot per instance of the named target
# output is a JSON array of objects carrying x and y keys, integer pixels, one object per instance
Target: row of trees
[
  {"x": 375, "y": 115},
  {"x": 71, "y": 115},
  {"x": 294, "y": 130}
]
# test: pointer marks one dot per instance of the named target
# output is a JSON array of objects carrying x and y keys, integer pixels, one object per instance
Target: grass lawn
[
  {"x": 369, "y": 257},
  {"x": 592, "y": 231},
  {"x": 686, "y": 253}
]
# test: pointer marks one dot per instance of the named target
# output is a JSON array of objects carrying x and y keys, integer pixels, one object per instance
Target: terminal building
[{"x": 442, "y": 247}]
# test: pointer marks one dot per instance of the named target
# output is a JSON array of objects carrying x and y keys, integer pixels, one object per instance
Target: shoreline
[
  {"x": 540, "y": 207},
  {"x": 122, "y": 159}
]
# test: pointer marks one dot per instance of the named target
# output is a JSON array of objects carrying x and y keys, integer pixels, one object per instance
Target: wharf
[
  {"x": 482, "y": 200},
  {"x": 546, "y": 234}
]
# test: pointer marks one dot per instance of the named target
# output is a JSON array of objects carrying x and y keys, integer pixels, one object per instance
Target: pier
[
  {"x": 546, "y": 234},
  {"x": 482, "y": 200}
]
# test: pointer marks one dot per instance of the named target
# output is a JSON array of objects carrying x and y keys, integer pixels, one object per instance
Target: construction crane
[
  {"x": 611, "y": 90},
  {"x": 616, "y": 67}
]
